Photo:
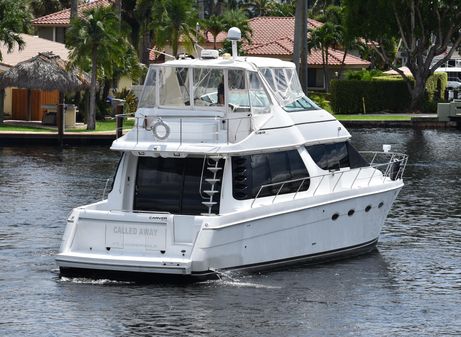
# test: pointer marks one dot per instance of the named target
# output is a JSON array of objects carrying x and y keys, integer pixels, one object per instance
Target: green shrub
[
  {"x": 382, "y": 93},
  {"x": 356, "y": 96},
  {"x": 436, "y": 85},
  {"x": 131, "y": 101},
  {"x": 364, "y": 75},
  {"x": 322, "y": 100}
]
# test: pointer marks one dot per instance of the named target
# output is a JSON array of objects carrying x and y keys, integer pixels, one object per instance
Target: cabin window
[
  {"x": 207, "y": 84},
  {"x": 285, "y": 85},
  {"x": 259, "y": 100},
  {"x": 239, "y": 99},
  {"x": 148, "y": 97},
  {"x": 174, "y": 86},
  {"x": 336, "y": 156},
  {"x": 171, "y": 185},
  {"x": 251, "y": 172}
]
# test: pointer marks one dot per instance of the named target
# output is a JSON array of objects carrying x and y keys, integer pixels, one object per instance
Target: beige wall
[
  {"x": 8, "y": 102},
  {"x": 124, "y": 83}
]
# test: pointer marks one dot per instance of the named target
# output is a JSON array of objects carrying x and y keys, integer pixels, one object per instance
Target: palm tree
[
  {"x": 73, "y": 9},
  {"x": 258, "y": 7},
  {"x": 94, "y": 39},
  {"x": 172, "y": 20},
  {"x": 323, "y": 38},
  {"x": 237, "y": 18},
  {"x": 215, "y": 25},
  {"x": 300, "y": 42},
  {"x": 14, "y": 19}
]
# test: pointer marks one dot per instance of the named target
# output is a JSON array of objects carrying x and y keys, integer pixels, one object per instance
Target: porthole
[
  {"x": 368, "y": 208},
  {"x": 381, "y": 204},
  {"x": 351, "y": 212},
  {"x": 335, "y": 216}
]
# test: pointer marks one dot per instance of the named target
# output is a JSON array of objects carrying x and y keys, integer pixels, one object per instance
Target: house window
[
  {"x": 336, "y": 156},
  {"x": 251, "y": 172}
]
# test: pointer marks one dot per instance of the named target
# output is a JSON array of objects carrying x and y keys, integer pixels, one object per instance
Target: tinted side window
[
  {"x": 335, "y": 156},
  {"x": 249, "y": 173},
  {"x": 171, "y": 185}
]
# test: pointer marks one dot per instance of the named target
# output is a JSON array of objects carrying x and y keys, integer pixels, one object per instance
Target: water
[{"x": 410, "y": 287}]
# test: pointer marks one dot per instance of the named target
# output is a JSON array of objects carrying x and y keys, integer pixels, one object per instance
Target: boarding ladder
[{"x": 212, "y": 179}]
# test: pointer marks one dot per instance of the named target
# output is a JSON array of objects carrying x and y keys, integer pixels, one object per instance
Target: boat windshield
[
  {"x": 235, "y": 90},
  {"x": 285, "y": 85}
]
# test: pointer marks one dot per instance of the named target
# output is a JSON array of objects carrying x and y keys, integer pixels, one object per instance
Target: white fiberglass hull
[{"x": 133, "y": 244}]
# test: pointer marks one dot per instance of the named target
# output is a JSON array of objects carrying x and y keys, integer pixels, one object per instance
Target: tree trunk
[
  {"x": 91, "y": 122},
  {"x": 73, "y": 9},
  {"x": 300, "y": 42},
  {"x": 418, "y": 93},
  {"x": 146, "y": 44},
  {"x": 118, "y": 10}
]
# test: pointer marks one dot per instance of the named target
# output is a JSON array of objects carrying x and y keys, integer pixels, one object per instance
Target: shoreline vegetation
[{"x": 109, "y": 125}]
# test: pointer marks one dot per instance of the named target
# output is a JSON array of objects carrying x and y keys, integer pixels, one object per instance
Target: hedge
[{"x": 382, "y": 93}]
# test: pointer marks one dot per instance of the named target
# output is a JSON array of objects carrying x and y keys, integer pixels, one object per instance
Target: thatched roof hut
[{"x": 45, "y": 71}]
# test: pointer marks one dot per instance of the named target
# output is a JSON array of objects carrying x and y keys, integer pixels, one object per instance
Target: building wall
[
  {"x": 46, "y": 33},
  {"x": 8, "y": 102}
]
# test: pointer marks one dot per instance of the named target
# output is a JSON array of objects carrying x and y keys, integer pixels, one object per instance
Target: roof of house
[
  {"x": 267, "y": 28},
  {"x": 33, "y": 46},
  {"x": 62, "y": 18},
  {"x": 274, "y": 36}
]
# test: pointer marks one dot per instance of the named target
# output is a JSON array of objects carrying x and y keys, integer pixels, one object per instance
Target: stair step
[
  {"x": 214, "y": 169},
  {"x": 212, "y": 180},
  {"x": 210, "y": 192},
  {"x": 209, "y": 203}
]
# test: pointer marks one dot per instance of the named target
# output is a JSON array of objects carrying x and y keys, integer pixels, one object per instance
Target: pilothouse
[{"x": 230, "y": 166}]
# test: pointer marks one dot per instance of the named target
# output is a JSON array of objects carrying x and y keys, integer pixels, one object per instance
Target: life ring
[{"x": 163, "y": 133}]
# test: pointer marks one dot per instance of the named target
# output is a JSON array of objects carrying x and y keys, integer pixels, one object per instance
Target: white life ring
[{"x": 163, "y": 134}]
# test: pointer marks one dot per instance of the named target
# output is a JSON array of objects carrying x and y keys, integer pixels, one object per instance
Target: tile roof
[
  {"x": 273, "y": 36},
  {"x": 62, "y": 18},
  {"x": 33, "y": 46}
]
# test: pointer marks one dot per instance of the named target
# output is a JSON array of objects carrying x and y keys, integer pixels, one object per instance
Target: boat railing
[
  {"x": 199, "y": 129},
  {"x": 119, "y": 118},
  {"x": 392, "y": 169}
]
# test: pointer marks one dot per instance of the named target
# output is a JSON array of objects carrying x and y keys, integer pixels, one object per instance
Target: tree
[
  {"x": 14, "y": 20},
  {"x": 44, "y": 7},
  {"x": 73, "y": 9},
  {"x": 95, "y": 40},
  {"x": 258, "y": 7},
  {"x": 172, "y": 20},
  {"x": 426, "y": 28},
  {"x": 300, "y": 42},
  {"x": 324, "y": 37},
  {"x": 237, "y": 18},
  {"x": 215, "y": 25}
]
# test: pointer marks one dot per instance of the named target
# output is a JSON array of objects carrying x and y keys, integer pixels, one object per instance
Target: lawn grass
[
  {"x": 107, "y": 125},
  {"x": 17, "y": 128},
  {"x": 379, "y": 117},
  {"x": 101, "y": 126}
]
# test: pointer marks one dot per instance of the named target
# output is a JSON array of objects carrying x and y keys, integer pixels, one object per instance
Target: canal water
[{"x": 411, "y": 286}]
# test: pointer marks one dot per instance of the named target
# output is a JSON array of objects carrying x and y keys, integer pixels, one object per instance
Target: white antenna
[
  {"x": 234, "y": 35},
  {"x": 162, "y": 53}
]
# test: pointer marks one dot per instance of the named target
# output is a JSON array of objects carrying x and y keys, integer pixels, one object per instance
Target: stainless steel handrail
[{"x": 385, "y": 168}]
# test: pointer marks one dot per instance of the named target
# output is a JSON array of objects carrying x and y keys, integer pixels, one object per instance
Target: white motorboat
[{"x": 230, "y": 166}]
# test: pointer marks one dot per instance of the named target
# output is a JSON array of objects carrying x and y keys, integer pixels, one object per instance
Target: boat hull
[{"x": 272, "y": 236}]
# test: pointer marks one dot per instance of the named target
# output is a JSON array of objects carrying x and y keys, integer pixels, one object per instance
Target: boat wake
[
  {"x": 83, "y": 280},
  {"x": 236, "y": 279}
]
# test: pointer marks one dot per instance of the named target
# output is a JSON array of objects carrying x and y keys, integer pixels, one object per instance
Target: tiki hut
[{"x": 45, "y": 71}]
